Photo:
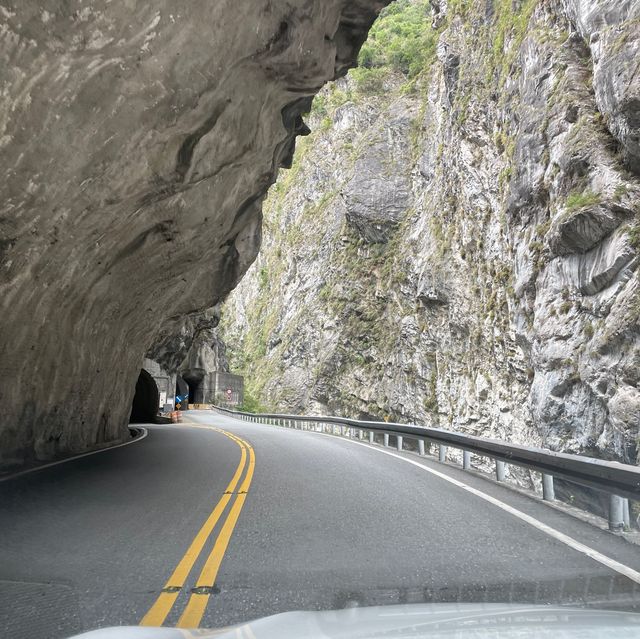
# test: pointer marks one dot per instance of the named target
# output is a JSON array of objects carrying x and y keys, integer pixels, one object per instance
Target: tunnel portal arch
[
  {"x": 194, "y": 378},
  {"x": 145, "y": 400}
]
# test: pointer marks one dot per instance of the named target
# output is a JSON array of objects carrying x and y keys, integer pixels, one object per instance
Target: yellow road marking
[
  {"x": 165, "y": 601},
  {"x": 192, "y": 615}
]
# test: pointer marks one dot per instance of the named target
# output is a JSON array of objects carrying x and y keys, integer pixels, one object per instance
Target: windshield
[{"x": 319, "y": 307}]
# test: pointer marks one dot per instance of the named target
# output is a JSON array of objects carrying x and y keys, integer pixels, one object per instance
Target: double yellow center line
[{"x": 197, "y": 603}]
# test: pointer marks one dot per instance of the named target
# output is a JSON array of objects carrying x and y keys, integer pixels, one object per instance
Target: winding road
[{"x": 218, "y": 521}]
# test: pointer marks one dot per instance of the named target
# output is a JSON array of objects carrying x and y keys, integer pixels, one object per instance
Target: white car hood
[{"x": 436, "y": 621}]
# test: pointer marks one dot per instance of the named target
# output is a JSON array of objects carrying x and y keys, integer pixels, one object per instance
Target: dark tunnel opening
[
  {"x": 145, "y": 401},
  {"x": 192, "y": 393},
  {"x": 193, "y": 378}
]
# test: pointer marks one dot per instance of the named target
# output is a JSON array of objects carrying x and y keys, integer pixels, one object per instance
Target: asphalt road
[{"x": 316, "y": 523}]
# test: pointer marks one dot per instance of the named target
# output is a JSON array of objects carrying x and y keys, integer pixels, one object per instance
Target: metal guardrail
[{"x": 621, "y": 481}]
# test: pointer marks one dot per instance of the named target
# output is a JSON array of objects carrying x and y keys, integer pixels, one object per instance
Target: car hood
[{"x": 410, "y": 622}]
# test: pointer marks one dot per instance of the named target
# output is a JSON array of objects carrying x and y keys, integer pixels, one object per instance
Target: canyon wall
[{"x": 457, "y": 242}]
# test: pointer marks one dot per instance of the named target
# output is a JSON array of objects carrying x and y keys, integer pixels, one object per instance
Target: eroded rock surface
[{"x": 137, "y": 143}]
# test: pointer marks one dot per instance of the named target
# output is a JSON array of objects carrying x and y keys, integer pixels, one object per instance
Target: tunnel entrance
[
  {"x": 145, "y": 401},
  {"x": 193, "y": 379}
]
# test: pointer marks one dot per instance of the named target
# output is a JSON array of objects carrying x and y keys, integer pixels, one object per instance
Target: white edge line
[
  {"x": 145, "y": 432},
  {"x": 612, "y": 564}
]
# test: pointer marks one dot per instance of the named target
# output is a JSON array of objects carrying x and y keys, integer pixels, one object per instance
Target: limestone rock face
[
  {"x": 181, "y": 338},
  {"x": 612, "y": 30},
  {"x": 462, "y": 249},
  {"x": 137, "y": 143},
  {"x": 376, "y": 197}
]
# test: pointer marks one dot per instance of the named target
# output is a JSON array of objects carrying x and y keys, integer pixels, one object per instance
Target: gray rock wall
[
  {"x": 463, "y": 252},
  {"x": 137, "y": 143}
]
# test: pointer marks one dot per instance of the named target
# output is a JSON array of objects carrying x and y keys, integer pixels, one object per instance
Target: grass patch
[{"x": 577, "y": 200}]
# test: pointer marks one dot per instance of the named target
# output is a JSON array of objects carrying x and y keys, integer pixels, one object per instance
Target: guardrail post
[
  {"x": 466, "y": 460},
  {"x": 500, "y": 470},
  {"x": 371, "y": 437},
  {"x": 548, "y": 492},
  {"x": 399, "y": 442},
  {"x": 386, "y": 439},
  {"x": 421, "y": 447},
  {"x": 442, "y": 453},
  {"x": 626, "y": 519},
  {"x": 616, "y": 517}
]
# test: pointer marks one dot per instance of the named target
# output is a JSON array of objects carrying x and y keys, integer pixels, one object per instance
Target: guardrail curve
[{"x": 621, "y": 481}]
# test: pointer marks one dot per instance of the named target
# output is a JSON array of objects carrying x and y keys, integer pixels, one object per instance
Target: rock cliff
[
  {"x": 457, "y": 242},
  {"x": 138, "y": 141}
]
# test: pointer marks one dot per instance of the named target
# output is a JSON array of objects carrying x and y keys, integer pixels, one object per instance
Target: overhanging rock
[{"x": 138, "y": 142}]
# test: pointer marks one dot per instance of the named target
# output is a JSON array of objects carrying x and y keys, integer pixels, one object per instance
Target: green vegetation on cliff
[{"x": 401, "y": 40}]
